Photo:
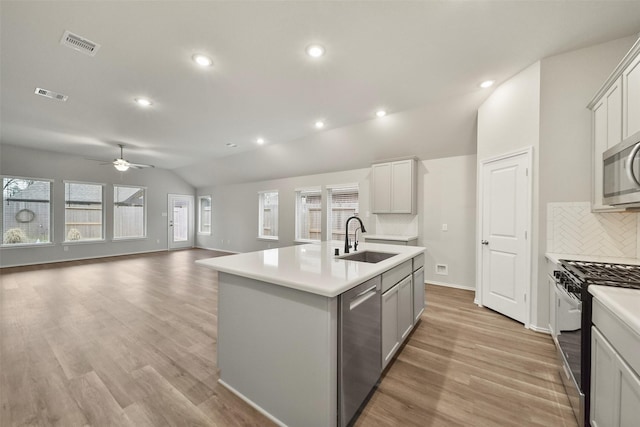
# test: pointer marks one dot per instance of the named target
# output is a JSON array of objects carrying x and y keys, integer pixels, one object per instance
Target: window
[
  {"x": 26, "y": 211},
  {"x": 308, "y": 215},
  {"x": 343, "y": 203},
  {"x": 268, "y": 215},
  {"x": 204, "y": 209},
  {"x": 129, "y": 212},
  {"x": 83, "y": 213}
]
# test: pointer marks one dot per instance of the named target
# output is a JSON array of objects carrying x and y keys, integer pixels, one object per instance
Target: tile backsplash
[{"x": 573, "y": 229}]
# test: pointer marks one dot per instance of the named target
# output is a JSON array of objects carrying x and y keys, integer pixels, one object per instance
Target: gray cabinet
[
  {"x": 615, "y": 116},
  {"x": 397, "y": 317},
  {"x": 393, "y": 187},
  {"x": 418, "y": 294},
  {"x": 615, "y": 387}
]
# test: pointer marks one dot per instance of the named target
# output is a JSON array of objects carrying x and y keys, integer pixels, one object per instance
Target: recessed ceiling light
[
  {"x": 381, "y": 113},
  {"x": 260, "y": 141},
  {"x": 319, "y": 124},
  {"x": 144, "y": 102},
  {"x": 315, "y": 51},
  {"x": 202, "y": 60},
  {"x": 231, "y": 145},
  {"x": 487, "y": 84}
]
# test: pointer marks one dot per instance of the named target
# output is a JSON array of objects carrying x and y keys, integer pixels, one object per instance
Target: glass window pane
[
  {"x": 205, "y": 215},
  {"x": 343, "y": 203},
  {"x": 268, "y": 220},
  {"x": 128, "y": 212},
  {"x": 83, "y": 211},
  {"x": 26, "y": 211},
  {"x": 308, "y": 215}
]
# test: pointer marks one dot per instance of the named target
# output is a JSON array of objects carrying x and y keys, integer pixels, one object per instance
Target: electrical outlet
[
  {"x": 66, "y": 248},
  {"x": 158, "y": 241},
  {"x": 445, "y": 227}
]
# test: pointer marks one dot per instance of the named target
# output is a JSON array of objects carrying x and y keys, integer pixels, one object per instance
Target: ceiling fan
[{"x": 122, "y": 165}]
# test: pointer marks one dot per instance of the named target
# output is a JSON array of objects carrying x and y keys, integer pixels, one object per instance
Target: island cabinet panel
[
  {"x": 397, "y": 317},
  {"x": 390, "y": 337},
  {"x": 273, "y": 343}
]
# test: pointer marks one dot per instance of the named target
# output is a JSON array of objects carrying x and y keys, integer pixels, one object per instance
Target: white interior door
[
  {"x": 181, "y": 219},
  {"x": 504, "y": 253}
]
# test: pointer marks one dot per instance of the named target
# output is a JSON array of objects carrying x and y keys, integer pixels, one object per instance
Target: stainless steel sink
[{"x": 368, "y": 256}]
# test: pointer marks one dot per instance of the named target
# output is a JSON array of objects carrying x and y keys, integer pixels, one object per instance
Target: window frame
[
  {"x": 331, "y": 189},
  {"x": 200, "y": 232},
  {"x": 144, "y": 214},
  {"x": 102, "y": 216},
  {"x": 298, "y": 227},
  {"x": 261, "y": 216},
  {"x": 51, "y": 218}
]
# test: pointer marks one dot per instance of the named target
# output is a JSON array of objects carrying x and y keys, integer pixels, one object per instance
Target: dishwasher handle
[{"x": 362, "y": 297}]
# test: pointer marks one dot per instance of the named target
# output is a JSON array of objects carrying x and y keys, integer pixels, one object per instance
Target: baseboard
[
  {"x": 539, "y": 329},
  {"x": 217, "y": 250},
  {"x": 252, "y": 403},
  {"x": 81, "y": 258},
  {"x": 450, "y": 285}
]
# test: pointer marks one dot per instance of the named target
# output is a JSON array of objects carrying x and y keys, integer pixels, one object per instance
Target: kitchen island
[{"x": 278, "y": 324}]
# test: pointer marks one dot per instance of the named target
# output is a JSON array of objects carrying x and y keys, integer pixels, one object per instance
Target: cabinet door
[
  {"x": 418, "y": 294},
  {"x": 631, "y": 98},
  {"x": 405, "y": 307},
  {"x": 603, "y": 379},
  {"x": 553, "y": 305},
  {"x": 381, "y": 187},
  {"x": 629, "y": 393},
  {"x": 390, "y": 338},
  {"x": 613, "y": 98},
  {"x": 402, "y": 186}
]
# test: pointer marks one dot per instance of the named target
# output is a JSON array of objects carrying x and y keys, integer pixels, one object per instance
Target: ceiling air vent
[
  {"x": 80, "y": 44},
  {"x": 51, "y": 94}
]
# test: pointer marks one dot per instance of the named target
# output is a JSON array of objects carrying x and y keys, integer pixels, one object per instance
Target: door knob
[{"x": 485, "y": 242}]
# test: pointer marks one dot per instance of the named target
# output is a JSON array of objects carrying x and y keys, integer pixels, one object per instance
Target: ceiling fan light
[{"x": 121, "y": 164}]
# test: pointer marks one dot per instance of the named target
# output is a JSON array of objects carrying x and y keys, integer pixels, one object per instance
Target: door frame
[
  {"x": 528, "y": 151},
  {"x": 190, "y": 231}
]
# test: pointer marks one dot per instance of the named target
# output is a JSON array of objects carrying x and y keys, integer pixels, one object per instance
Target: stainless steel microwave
[{"x": 621, "y": 172}]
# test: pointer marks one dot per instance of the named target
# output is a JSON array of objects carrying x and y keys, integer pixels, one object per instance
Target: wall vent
[
  {"x": 80, "y": 44},
  {"x": 51, "y": 94}
]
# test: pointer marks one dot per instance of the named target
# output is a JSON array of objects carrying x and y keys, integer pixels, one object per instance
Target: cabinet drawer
[
  {"x": 418, "y": 261},
  {"x": 393, "y": 276}
]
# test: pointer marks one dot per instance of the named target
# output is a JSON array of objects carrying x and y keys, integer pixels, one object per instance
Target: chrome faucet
[{"x": 346, "y": 233}]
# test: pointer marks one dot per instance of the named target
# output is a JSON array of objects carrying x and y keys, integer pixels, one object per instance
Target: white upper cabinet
[
  {"x": 631, "y": 98},
  {"x": 393, "y": 188},
  {"x": 615, "y": 116}
]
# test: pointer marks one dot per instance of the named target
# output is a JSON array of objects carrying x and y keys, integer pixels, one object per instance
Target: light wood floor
[{"x": 132, "y": 341}]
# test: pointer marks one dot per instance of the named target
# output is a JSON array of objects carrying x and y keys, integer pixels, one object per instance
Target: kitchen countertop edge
[
  {"x": 556, "y": 257},
  {"x": 622, "y": 302},
  {"x": 355, "y": 272}
]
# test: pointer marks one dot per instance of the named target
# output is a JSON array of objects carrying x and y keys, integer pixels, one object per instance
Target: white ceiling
[{"x": 417, "y": 59}]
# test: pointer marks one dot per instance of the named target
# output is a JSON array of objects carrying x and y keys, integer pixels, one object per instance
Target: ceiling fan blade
[{"x": 140, "y": 166}]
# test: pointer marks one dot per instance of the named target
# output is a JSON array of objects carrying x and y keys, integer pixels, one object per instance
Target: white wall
[
  {"x": 29, "y": 163},
  {"x": 568, "y": 82},
  {"x": 544, "y": 106},
  {"x": 446, "y": 194},
  {"x": 509, "y": 120}
]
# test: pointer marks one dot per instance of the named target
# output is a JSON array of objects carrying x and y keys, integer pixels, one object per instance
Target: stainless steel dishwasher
[{"x": 359, "y": 347}]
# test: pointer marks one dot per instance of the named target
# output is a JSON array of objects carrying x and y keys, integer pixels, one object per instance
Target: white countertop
[
  {"x": 623, "y": 302},
  {"x": 311, "y": 268},
  {"x": 389, "y": 237},
  {"x": 591, "y": 258}
]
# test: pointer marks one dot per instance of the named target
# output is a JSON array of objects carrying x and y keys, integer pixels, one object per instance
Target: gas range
[{"x": 574, "y": 339}]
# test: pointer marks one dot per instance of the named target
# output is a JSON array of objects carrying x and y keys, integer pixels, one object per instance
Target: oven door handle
[{"x": 630, "y": 159}]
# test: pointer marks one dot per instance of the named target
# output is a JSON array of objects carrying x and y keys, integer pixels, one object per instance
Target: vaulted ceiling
[{"x": 421, "y": 61}]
